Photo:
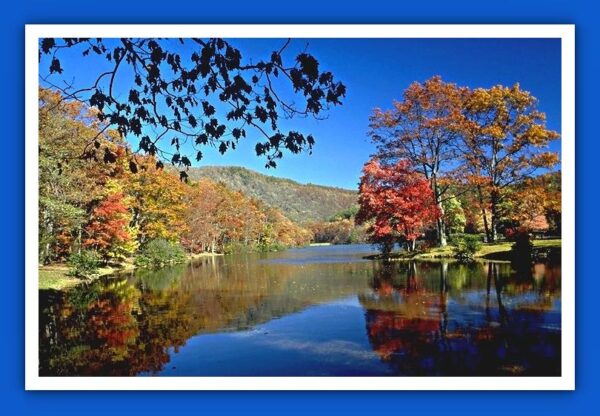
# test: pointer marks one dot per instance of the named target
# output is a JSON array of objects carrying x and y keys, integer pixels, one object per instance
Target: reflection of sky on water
[
  {"x": 321, "y": 340},
  {"x": 322, "y": 254}
]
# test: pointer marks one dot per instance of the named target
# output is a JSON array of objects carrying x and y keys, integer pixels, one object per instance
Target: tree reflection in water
[
  {"x": 421, "y": 318},
  {"x": 423, "y": 328},
  {"x": 126, "y": 325}
]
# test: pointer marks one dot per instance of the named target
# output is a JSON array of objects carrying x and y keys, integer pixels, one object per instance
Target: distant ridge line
[
  {"x": 279, "y": 178},
  {"x": 300, "y": 202}
]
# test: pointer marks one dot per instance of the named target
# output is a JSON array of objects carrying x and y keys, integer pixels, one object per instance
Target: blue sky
[{"x": 376, "y": 71}]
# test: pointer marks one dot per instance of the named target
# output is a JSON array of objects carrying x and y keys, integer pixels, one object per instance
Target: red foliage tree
[
  {"x": 397, "y": 201},
  {"x": 108, "y": 231}
]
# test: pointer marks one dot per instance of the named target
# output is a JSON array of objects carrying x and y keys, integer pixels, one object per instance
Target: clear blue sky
[{"x": 376, "y": 71}]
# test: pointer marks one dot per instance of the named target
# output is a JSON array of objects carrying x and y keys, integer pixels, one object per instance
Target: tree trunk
[
  {"x": 486, "y": 226},
  {"x": 494, "y": 225},
  {"x": 493, "y": 229},
  {"x": 494, "y": 194},
  {"x": 412, "y": 244},
  {"x": 441, "y": 229},
  {"x": 46, "y": 255},
  {"x": 440, "y": 225},
  {"x": 79, "y": 239}
]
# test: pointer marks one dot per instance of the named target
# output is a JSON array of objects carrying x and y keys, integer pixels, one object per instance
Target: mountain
[{"x": 299, "y": 202}]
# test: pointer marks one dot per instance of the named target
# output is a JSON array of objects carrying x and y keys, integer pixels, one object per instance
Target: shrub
[
  {"x": 236, "y": 247},
  {"x": 465, "y": 246},
  {"x": 84, "y": 264},
  {"x": 159, "y": 253},
  {"x": 522, "y": 248},
  {"x": 270, "y": 247}
]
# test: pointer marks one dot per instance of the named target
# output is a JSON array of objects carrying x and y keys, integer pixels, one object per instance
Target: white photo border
[{"x": 566, "y": 381}]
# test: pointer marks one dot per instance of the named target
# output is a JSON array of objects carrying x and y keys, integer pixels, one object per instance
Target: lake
[{"x": 315, "y": 311}]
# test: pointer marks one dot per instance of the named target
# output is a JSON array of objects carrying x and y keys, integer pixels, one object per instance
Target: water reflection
[
  {"x": 421, "y": 318},
  {"x": 425, "y": 326}
]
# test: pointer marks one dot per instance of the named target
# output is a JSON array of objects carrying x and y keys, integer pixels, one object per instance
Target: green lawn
[{"x": 56, "y": 276}]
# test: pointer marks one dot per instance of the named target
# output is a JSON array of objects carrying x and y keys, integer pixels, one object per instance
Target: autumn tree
[
  {"x": 339, "y": 231},
  {"x": 279, "y": 231},
  {"x": 220, "y": 219},
  {"x": 108, "y": 231},
  {"x": 454, "y": 215},
  {"x": 423, "y": 128},
  {"x": 68, "y": 184},
  {"x": 202, "y": 228},
  {"x": 475, "y": 210},
  {"x": 505, "y": 141},
  {"x": 529, "y": 214},
  {"x": 551, "y": 184},
  {"x": 397, "y": 202},
  {"x": 197, "y": 91},
  {"x": 533, "y": 205},
  {"x": 157, "y": 201}
]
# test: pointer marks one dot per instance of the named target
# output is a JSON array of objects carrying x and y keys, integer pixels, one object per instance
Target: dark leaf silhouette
[{"x": 189, "y": 94}]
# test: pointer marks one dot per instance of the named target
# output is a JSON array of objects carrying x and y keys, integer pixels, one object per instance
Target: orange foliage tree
[
  {"x": 202, "y": 204},
  {"x": 218, "y": 218},
  {"x": 108, "y": 231}
]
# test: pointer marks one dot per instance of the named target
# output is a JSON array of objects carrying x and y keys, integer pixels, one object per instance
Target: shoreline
[
  {"x": 498, "y": 252},
  {"x": 55, "y": 277}
]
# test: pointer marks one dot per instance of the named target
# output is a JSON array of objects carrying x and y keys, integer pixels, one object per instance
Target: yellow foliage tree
[{"x": 505, "y": 142}]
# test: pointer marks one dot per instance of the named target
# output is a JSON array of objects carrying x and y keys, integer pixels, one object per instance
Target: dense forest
[{"x": 94, "y": 198}]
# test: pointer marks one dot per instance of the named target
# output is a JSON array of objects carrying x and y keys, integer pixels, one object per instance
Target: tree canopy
[
  {"x": 483, "y": 141},
  {"x": 423, "y": 128}
]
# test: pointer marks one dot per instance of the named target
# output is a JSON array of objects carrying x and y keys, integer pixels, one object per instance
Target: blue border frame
[{"x": 17, "y": 400}]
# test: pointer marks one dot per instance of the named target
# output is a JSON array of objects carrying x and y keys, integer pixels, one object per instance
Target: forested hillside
[
  {"x": 101, "y": 202},
  {"x": 301, "y": 203}
]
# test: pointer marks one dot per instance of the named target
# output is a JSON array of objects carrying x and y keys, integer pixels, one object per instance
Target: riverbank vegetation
[
  {"x": 498, "y": 251},
  {"x": 469, "y": 167},
  {"x": 111, "y": 186},
  {"x": 458, "y": 160},
  {"x": 103, "y": 205}
]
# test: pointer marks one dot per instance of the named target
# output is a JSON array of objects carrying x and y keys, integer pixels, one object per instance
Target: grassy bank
[
  {"x": 489, "y": 251},
  {"x": 56, "y": 276}
]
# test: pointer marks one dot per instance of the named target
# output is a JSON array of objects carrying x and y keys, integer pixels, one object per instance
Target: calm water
[{"x": 319, "y": 311}]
